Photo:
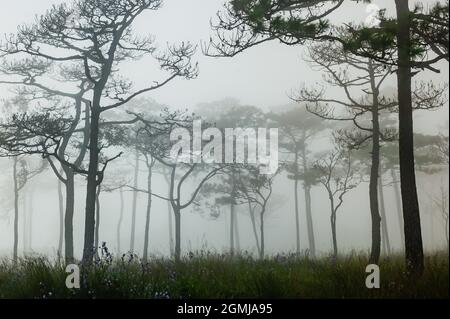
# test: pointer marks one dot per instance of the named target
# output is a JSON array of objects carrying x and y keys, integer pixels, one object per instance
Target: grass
[{"x": 206, "y": 275}]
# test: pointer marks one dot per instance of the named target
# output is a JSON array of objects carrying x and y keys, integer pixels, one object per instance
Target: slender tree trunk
[
  {"x": 61, "y": 219},
  {"x": 149, "y": 207},
  {"x": 309, "y": 217},
  {"x": 16, "y": 209},
  {"x": 309, "y": 220},
  {"x": 236, "y": 233},
  {"x": 30, "y": 219},
  {"x": 177, "y": 214},
  {"x": 119, "y": 223},
  {"x": 374, "y": 170},
  {"x": 170, "y": 218},
  {"x": 334, "y": 234},
  {"x": 333, "y": 225},
  {"x": 92, "y": 182},
  {"x": 384, "y": 224},
  {"x": 446, "y": 230},
  {"x": 97, "y": 221},
  {"x": 411, "y": 215},
  {"x": 232, "y": 229},
  {"x": 134, "y": 207},
  {"x": 398, "y": 205},
  {"x": 25, "y": 223},
  {"x": 262, "y": 253},
  {"x": 297, "y": 214},
  {"x": 68, "y": 219},
  {"x": 255, "y": 232}
]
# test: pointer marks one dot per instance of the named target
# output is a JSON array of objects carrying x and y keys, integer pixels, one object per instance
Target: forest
[{"x": 224, "y": 149}]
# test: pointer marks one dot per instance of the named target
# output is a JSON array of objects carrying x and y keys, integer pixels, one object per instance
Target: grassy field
[{"x": 219, "y": 276}]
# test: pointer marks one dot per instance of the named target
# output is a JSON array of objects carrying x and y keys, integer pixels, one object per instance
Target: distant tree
[
  {"x": 298, "y": 128},
  {"x": 22, "y": 174},
  {"x": 141, "y": 149},
  {"x": 144, "y": 147},
  {"x": 337, "y": 173},
  {"x": 441, "y": 202},
  {"x": 160, "y": 129},
  {"x": 114, "y": 182},
  {"x": 165, "y": 173},
  {"x": 224, "y": 114},
  {"x": 221, "y": 192},
  {"x": 134, "y": 200},
  {"x": 257, "y": 189},
  {"x": 428, "y": 159}
]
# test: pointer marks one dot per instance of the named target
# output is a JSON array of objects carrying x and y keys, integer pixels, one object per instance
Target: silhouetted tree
[
  {"x": 243, "y": 24},
  {"x": 362, "y": 80},
  {"x": 337, "y": 173},
  {"x": 405, "y": 42}
]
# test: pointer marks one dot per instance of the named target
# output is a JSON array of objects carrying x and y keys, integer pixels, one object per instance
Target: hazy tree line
[{"x": 75, "y": 112}]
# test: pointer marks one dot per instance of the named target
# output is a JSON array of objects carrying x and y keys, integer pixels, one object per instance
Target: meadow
[{"x": 206, "y": 275}]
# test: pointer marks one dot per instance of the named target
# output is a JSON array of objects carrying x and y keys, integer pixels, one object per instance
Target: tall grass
[{"x": 205, "y": 275}]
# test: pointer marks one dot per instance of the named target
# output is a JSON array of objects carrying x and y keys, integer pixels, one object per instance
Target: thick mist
[{"x": 266, "y": 77}]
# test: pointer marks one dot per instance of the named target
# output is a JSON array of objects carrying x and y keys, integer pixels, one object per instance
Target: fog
[{"x": 266, "y": 76}]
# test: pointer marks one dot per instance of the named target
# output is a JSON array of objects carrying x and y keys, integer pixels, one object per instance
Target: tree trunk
[
  {"x": 333, "y": 224},
  {"x": 119, "y": 223},
  {"x": 61, "y": 219},
  {"x": 398, "y": 205},
  {"x": 68, "y": 220},
  {"x": 177, "y": 214},
  {"x": 30, "y": 220},
  {"x": 97, "y": 221},
  {"x": 309, "y": 217},
  {"x": 236, "y": 233},
  {"x": 374, "y": 170},
  {"x": 384, "y": 224},
  {"x": 411, "y": 215},
  {"x": 169, "y": 217},
  {"x": 149, "y": 207},
  {"x": 309, "y": 220},
  {"x": 171, "y": 244},
  {"x": 297, "y": 215},
  {"x": 16, "y": 209},
  {"x": 92, "y": 182},
  {"x": 334, "y": 234},
  {"x": 446, "y": 232},
  {"x": 255, "y": 232},
  {"x": 134, "y": 207},
  {"x": 24, "y": 223},
  {"x": 232, "y": 229},
  {"x": 261, "y": 252}
]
